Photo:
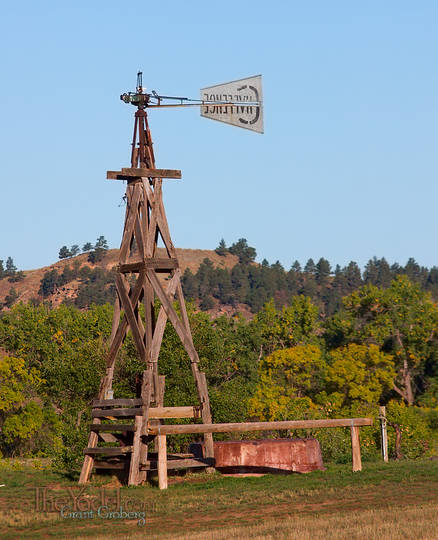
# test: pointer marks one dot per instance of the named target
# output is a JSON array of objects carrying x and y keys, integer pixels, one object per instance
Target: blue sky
[{"x": 346, "y": 169}]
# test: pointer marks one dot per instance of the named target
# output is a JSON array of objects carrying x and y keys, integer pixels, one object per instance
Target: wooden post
[
  {"x": 134, "y": 466},
  {"x": 355, "y": 448},
  {"x": 162, "y": 462},
  {"x": 383, "y": 433}
]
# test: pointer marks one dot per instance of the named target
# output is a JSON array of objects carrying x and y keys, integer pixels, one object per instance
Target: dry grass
[
  {"x": 419, "y": 522},
  {"x": 398, "y": 500}
]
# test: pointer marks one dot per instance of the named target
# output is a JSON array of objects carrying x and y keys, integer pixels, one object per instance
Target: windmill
[{"x": 238, "y": 103}]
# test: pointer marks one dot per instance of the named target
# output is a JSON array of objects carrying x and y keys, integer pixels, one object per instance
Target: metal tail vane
[{"x": 239, "y": 103}]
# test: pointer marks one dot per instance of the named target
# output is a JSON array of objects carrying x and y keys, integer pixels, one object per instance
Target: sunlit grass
[{"x": 383, "y": 500}]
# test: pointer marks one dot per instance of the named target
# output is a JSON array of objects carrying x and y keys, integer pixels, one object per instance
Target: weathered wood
[
  {"x": 87, "y": 466},
  {"x": 128, "y": 173},
  {"x": 132, "y": 203},
  {"x": 145, "y": 221},
  {"x": 173, "y": 429},
  {"x": 146, "y": 394},
  {"x": 162, "y": 319},
  {"x": 116, "y": 319},
  {"x": 189, "y": 463},
  {"x": 123, "y": 402},
  {"x": 175, "y": 412},
  {"x": 134, "y": 466},
  {"x": 171, "y": 313},
  {"x": 109, "y": 465},
  {"x": 162, "y": 462},
  {"x": 116, "y": 413},
  {"x": 122, "y": 329},
  {"x": 130, "y": 315},
  {"x": 108, "y": 437},
  {"x": 164, "y": 229},
  {"x": 206, "y": 415},
  {"x": 158, "y": 264},
  {"x": 112, "y": 427},
  {"x": 109, "y": 451},
  {"x": 355, "y": 448},
  {"x": 162, "y": 388},
  {"x": 175, "y": 464},
  {"x": 139, "y": 236}
]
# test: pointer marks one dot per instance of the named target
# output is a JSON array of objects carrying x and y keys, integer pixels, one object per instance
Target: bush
[{"x": 419, "y": 433}]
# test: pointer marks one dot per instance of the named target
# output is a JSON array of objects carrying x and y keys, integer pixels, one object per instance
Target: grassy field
[{"x": 395, "y": 500}]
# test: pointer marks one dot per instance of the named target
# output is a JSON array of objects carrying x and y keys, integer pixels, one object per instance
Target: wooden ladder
[{"x": 126, "y": 452}]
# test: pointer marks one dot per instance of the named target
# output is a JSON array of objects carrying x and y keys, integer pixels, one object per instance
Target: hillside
[{"x": 27, "y": 289}]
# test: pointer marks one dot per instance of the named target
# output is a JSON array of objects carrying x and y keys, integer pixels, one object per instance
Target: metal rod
[{"x": 223, "y": 103}]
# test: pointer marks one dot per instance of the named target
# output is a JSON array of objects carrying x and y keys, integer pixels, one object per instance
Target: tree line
[
  {"x": 287, "y": 362},
  {"x": 253, "y": 284},
  {"x": 95, "y": 252}
]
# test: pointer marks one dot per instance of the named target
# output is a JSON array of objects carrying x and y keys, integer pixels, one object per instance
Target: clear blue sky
[{"x": 346, "y": 169}]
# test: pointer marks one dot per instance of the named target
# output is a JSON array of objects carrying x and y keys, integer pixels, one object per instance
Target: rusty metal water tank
[{"x": 265, "y": 456}]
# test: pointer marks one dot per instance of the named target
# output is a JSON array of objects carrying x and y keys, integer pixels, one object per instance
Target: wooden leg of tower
[
  {"x": 206, "y": 417},
  {"x": 146, "y": 392},
  {"x": 87, "y": 466},
  {"x": 134, "y": 466},
  {"x": 116, "y": 318}
]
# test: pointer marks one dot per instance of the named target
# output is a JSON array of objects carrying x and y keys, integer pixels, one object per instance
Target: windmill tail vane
[{"x": 239, "y": 103}]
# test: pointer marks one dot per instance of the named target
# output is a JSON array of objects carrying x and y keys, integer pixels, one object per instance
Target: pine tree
[
  {"x": 64, "y": 253},
  {"x": 323, "y": 271},
  {"x": 246, "y": 254},
  {"x": 74, "y": 250},
  {"x": 222, "y": 249},
  {"x": 100, "y": 248},
  {"x": 296, "y": 266},
  {"x": 310, "y": 267},
  {"x": 10, "y": 267}
]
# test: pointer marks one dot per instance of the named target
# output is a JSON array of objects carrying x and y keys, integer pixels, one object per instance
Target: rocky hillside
[{"x": 28, "y": 288}]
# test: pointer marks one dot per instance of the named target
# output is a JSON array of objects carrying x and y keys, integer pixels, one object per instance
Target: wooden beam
[
  {"x": 146, "y": 394},
  {"x": 109, "y": 451},
  {"x": 174, "y": 429},
  {"x": 123, "y": 327},
  {"x": 163, "y": 264},
  {"x": 122, "y": 286},
  {"x": 110, "y": 465},
  {"x": 108, "y": 413},
  {"x": 112, "y": 427},
  {"x": 124, "y": 402},
  {"x": 174, "y": 464},
  {"x": 134, "y": 466},
  {"x": 162, "y": 319},
  {"x": 132, "y": 205},
  {"x": 162, "y": 462},
  {"x": 175, "y": 412},
  {"x": 355, "y": 449},
  {"x": 128, "y": 173}
]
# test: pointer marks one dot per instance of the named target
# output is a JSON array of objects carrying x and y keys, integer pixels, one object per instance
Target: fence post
[
  {"x": 355, "y": 449},
  {"x": 162, "y": 462},
  {"x": 383, "y": 433}
]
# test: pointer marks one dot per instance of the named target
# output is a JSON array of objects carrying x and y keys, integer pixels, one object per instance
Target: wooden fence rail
[{"x": 161, "y": 431}]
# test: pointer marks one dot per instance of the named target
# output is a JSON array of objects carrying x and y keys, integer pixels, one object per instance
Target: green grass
[{"x": 210, "y": 505}]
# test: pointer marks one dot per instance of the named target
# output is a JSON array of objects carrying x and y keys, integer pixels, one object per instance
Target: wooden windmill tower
[{"x": 145, "y": 223}]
